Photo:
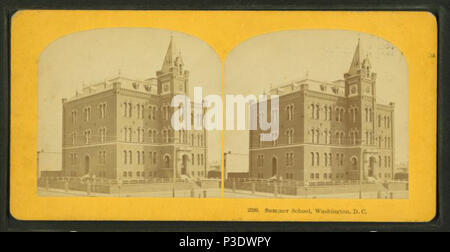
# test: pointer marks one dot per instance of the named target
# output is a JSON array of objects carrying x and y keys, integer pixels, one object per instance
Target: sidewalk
[
  {"x": 198, "y": 193},
  {"x": 366, "y": 195}
]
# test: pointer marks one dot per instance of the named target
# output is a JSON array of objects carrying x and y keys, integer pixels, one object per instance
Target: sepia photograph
[
  {"x": 105, "y": 109},
  {"x": 341, "y": 114},
  {"x": 227, "y": 116}
]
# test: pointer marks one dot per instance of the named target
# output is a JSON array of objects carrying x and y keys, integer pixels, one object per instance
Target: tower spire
[
  {"x": 169, "y": 59},
  {"x": 356, "y": 62}
]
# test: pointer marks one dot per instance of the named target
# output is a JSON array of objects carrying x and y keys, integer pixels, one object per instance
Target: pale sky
[
  {"x": 275, "y": 58},
  {"x": 92, "y": 56}
]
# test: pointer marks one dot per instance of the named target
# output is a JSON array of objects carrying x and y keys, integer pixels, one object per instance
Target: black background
[{"x": 439, "y": 8}]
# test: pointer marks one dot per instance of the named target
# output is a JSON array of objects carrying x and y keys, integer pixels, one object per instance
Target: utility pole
[
  {"x": 175, "y": 161},
  {"x": 225, "y": 164}
]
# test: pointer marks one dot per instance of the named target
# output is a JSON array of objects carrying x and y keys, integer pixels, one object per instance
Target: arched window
[
  {"x": 325, "y": 155},
  {"x": 330, "y": 111},
  {"x": 354, "y": 115},
  {"x": 131, "y": 156},
  {"x": 317, "y": 158},
  {"x": 317, "y": 111},
  {"x": 150, "y": 136},
  {"x": 139, "y": 135},
  {"x": 318, "y": 136},
  {"x": 289, "y": 109},
  {"x": 290, "y": 133},
  {"x": 130, "y": 109},
  {"x": 166, "y": 161},
  {"x": 125, "y": 157},
  {"x": 313, "y": 136},
  {"x": 138, "y": 154},
  {"x": 193, "y": 159},
  {"x": 312, "y": 158},
  {"x": 367, "y": 114},
  {"x": 313, "y": 113},
  {"x": 164, "y": 133}
]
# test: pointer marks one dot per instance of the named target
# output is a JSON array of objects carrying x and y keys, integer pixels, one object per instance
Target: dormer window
[
  {"x": 135, "y": 85},
  {"x": 323, "y": 88}
]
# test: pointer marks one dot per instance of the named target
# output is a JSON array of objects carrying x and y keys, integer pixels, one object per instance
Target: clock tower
[
  {"x": 360, "y": 89},
  {"x": 173, "y": 78}
]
